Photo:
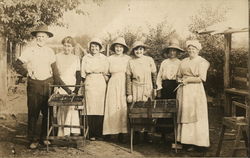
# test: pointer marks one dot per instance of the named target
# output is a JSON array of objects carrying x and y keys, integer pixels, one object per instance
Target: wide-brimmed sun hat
[
  {"x": 173, "y": 44},
  {"x": 138, "y": 44},
  {"x": 194, "y": 43},
  {"x": 95, "y": 40},
  {"x": 42, "y": 28},
  {"x": 120, "y": 41}
]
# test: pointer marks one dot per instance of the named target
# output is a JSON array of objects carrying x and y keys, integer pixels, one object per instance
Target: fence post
[{"x": 3, "y": 73}]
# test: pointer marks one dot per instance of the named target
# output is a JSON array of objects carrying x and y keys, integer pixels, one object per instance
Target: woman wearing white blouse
[{"x": 166, "y": 79}]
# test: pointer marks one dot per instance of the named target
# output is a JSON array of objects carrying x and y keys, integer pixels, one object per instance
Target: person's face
[
  {"x": 139, "y": 51},
  {"x": 119, "y": 49},
  {"x": 94, "y": 48},
  {"x": 68, "y": 48},
  {"x": 41, "y": 38},
  {"x": 172, "y": 53},
  {"x": 192, "y": 51}
]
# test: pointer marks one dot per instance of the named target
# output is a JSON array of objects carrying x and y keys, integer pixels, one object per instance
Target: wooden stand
[
  {"x": 143, "y": 116},
  {"x": 58, "y": 100},
  {"x": 236, "y": 98}
]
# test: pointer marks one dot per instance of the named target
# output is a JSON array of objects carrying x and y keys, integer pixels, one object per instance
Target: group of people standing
[{"x": 112, "y": 82}]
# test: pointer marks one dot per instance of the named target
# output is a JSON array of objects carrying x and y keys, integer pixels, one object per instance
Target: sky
[{"x": 113, "y": 15}]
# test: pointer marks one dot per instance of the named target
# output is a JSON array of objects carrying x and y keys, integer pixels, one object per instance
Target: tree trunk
[{"x": 3, "y": 74}]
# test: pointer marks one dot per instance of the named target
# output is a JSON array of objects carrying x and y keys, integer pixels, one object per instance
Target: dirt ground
[{"x": 13, "y": 143}]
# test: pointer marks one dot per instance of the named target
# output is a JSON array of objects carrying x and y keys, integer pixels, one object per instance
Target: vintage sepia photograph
[{"x": 124, "y": 78}]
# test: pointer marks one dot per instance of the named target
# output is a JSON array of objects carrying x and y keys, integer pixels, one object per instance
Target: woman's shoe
[
  {"x": 34, "y": 145},
  {"x": 190, "y": 149},
  {"x": 92, "y": 139}
]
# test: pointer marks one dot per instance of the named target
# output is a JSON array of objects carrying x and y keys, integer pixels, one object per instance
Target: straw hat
[
  {"x": 97, "y": 41},
  {"x": 139, "y": 44},
  {"x": 194, "y": 43},
  {"x": 174, "y": 44},
  {"x": 42, "y": 28},
  {"x": 120, "y": 41}
]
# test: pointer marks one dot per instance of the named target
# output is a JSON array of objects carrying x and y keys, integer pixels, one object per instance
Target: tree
[
  {"x": 213, "y": 46},
  {"x": 130, "y": 35},
  {"x": 19, "y": 17},
  {"x": 158, "y": 38}
]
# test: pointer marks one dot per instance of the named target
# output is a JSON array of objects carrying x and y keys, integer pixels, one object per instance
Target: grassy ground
[{"x": 13, "y": 141}]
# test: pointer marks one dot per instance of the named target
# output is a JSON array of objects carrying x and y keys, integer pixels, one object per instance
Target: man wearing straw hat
[{"x": 40, "y": 69}]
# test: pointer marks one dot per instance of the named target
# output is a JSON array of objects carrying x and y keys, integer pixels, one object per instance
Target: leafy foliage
[
  {"x": 213, "y": 48},
  {"x": 18, "y": 18}
]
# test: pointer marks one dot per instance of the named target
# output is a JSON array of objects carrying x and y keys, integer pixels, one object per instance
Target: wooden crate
[
  {"x": 143, "y": 116},
  {"x": 161, "y": 108},
  {"x": 66, "y": 100}
]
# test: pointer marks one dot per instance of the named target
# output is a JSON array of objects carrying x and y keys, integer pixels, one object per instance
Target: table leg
[
  {"x": 47, "y": 145},
  {"x": 175, "y": 132},
  {"x": 131, "y": 139}
]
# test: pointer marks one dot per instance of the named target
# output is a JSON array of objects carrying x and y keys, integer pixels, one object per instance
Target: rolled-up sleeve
[
  {"x": 203, "y": 67},
  {"x": 83, "y": 69}
]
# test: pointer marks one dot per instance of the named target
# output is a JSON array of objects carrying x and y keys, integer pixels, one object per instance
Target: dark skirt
[
  {"x": 168, "y": 87},
  {"x": 95, "y": 125},
  {"x": 167, "y": 92}
]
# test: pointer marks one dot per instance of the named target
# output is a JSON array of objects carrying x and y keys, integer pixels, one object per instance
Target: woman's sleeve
[
  {"x": 203, "y": 67},
  {"x": 129, "y": 80},
  {"x": 159, "y": 78},
  {"x": 77, "y": 75},
  {"x": 179, "y": 74},
  {"x": 152, "y": 65},
  {"x": 83, "y": 69}
]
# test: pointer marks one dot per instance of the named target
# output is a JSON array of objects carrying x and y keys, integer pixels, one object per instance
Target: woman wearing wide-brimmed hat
[
  {"x": 141, "y": 77},
  {"x": 115, "y": 117},
  {"x": 191, "y": 98},
  {"x": 166, "y": 79},
  {"x": 141, "y": 74},
  {"x": 94, "y": 71}
]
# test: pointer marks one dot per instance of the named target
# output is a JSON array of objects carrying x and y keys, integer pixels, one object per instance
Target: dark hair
[
  {"x": 100, "y": 46},
  {"x": 69, "y": 40},
  {"x": 132, "y": 51}
]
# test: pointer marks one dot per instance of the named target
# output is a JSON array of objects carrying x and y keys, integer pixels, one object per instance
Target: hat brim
[
  {"x": 166, "y": 50},
  {"x": 33, "y": 33},
  {"x": 144, "y": 45},
  {"x": 112, "y": 47},
  {"x": 94, "y": 42}
]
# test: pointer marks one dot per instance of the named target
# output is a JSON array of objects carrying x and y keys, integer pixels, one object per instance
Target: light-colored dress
[
  {"x": 67, "y": 115},
  {"x": 141, "y": 70},
  {"x": 193, "y": 114},
  {"x": 115, "y": 117},
  {"x": 93, "y": 69}
]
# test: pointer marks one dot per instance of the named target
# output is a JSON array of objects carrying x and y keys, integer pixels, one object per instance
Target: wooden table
[{"x": 148, "y": 112}]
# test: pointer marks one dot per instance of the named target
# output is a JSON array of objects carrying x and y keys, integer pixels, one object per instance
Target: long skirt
[
  {"x": 192, "y": 115},
  {"x": 95, "y": 125},
  {"x": 67, "y": 115},
  {"x": 115, "y": 117}
]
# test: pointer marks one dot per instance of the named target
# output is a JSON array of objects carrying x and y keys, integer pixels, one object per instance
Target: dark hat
[
  {"x": 174, "y": 44},
  {"x": 120, "y": 41},
  {"x": 42, "y": 28}
]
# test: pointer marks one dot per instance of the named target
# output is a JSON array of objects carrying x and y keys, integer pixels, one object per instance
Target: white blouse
[{"x": 168, "y": 71}]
